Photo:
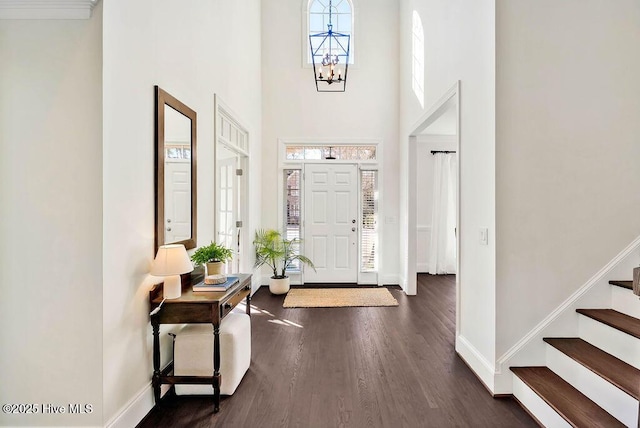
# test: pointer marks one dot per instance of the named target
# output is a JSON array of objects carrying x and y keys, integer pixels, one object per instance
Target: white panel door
[
  {"x": 330, "y": 222},
  {"x": 177, "y": 203}
]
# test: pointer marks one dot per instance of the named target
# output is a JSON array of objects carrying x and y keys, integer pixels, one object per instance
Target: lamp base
[{"x": 172, "y": 287}]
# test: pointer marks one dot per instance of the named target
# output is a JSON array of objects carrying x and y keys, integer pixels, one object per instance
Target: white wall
[
  {"x": 460, "y": 45},
  {"x": 192, "y": 50},
  {"x": 567, "y": 150},
  {"x": 292, "y": 109},
  {"x": 51, "y": 218}
]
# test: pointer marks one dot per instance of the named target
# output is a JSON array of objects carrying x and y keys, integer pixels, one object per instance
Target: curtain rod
[{"x": 433, "y": 152}]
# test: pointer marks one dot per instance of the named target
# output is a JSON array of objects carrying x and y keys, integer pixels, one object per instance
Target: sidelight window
[
  {"x": 292, "y": 208},
  {"x": 369, "y": 221}
]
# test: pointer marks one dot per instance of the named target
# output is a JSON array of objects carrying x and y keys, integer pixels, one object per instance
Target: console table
[{"x": 194, "y": 307}]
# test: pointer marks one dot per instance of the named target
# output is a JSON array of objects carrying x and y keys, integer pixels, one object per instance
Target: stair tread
[
  {"x": 575, "y": 407},
  {"x": 623, "y": 284},
  {"x": 619, "y": 373},
  {"x": 615, "y": 319}
]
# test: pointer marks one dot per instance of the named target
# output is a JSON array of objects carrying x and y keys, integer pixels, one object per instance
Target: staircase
[{"x": 592, "y": 380}]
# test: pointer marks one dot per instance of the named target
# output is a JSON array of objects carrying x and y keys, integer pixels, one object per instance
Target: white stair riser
[
  {"x": 623, "y": 300},
  {"x": 606, "y": 395},
  {"x": 537, "y": 406},
  {"x": 615, "y": 342}
]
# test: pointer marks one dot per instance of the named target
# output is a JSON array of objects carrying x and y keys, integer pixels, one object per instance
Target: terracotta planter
[
  {"x": 215, "y": 268},
  {"x": 279, "y": 285}
]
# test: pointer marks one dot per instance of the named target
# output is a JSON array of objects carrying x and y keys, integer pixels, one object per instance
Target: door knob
[
  {"x": 168, "y": 220},
  {"x": 353, "y": 221},
  {"x": 168, "y": 229},
  {"x": 353, "y": 229}
]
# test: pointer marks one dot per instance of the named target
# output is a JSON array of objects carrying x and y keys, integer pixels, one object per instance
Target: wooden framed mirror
[{"x": 175, "y": 171}]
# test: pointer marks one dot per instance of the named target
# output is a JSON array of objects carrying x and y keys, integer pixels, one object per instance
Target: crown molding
[{"x": 46, "y": 9}]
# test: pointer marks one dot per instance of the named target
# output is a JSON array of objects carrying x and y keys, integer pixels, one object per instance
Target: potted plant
[
  {"x": 278, "y": 253},
  {"x": 213, "y": 256}
]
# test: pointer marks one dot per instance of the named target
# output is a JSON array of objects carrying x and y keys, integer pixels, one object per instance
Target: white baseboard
[
  {"x": 136, "y": 409},
  {"x": 476, "y": 362},
  {"x": 264, "y": 281}
]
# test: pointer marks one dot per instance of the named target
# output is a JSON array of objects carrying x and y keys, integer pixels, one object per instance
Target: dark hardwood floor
[{"x": 352, "y": 367}]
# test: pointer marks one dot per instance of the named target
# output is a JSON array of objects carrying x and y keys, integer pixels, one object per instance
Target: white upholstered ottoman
[{"x": 193, "y": 353}]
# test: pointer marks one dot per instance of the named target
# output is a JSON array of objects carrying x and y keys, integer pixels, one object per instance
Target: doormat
[{"x": 338, "y": 297}]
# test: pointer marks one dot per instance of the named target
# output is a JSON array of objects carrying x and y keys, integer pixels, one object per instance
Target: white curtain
[{"x": 442, "y": 253}]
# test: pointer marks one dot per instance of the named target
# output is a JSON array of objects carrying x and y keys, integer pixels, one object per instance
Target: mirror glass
[{"x": 175, "y": 172}]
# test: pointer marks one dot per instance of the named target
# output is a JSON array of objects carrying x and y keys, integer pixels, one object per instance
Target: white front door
[
  {"x": 330, "y": 222},
  {"x": 177, "y": 203}
]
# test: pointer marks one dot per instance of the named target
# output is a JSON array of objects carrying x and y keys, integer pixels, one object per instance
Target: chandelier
[{"x": 330, "y": 57}]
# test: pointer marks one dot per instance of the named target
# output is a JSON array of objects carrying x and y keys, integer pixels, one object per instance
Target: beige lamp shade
[{"x": 171, "y": 260}]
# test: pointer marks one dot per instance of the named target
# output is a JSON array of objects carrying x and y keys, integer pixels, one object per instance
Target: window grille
[
  {"x": 369, "y": 221},
  {"x": 292, "y": 209},
  {"x": 177, "y": 151},
  {"x": 341, "y": 19},
  {"x": 340, "y": 152}
]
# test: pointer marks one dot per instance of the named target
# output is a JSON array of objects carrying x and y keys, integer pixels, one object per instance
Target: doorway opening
[
  {"x": 439, "y": 131},
  {"x": 231, "y": 161}
]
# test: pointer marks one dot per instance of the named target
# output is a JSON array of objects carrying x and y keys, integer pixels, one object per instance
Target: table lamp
[{"x": 171, "y": 261}]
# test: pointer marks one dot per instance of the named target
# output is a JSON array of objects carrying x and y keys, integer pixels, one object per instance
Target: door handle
[
  {"x": 168, "y": 229},
  {"x": 353, "y": 229}
]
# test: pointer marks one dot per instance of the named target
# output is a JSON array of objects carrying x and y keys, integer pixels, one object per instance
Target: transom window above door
[{"x": 338, "y": 152}]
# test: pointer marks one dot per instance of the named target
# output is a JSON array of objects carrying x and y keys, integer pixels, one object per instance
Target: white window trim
[
  {"x": 369, "y": 165},
  {"x": 305, "y": 34}
]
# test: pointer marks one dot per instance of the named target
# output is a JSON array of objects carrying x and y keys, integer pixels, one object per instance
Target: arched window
[
  {"x": 318, "y": 18},
  {"x": 417, "y": 53}
]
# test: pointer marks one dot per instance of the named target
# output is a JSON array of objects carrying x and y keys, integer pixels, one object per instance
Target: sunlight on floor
[
  {"x": 256, "y": 311},
  {"x": 286, "y": 323}
]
